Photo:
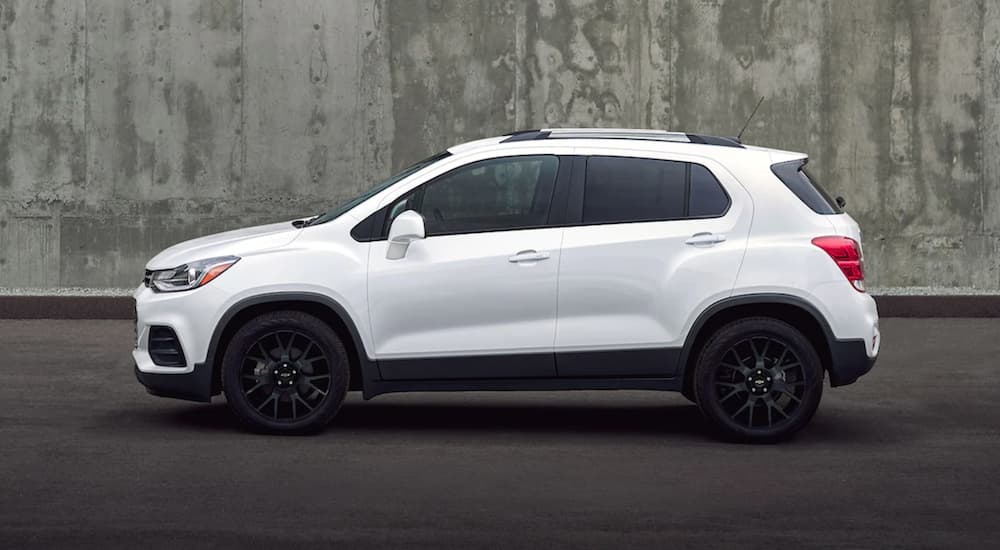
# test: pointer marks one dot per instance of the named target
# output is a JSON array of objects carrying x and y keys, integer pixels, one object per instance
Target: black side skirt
[
  {"x": 619, "y": 363},
  {"x": 374, "y": 388}
]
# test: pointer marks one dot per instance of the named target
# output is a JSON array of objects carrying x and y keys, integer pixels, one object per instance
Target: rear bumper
[
  {"x": 849, "y": 361},
  {"x": 192, "y": 386}
]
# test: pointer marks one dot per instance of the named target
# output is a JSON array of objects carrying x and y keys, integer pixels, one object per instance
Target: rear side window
[
  {"x": 625, "y": 189},
  {"x": 793, "y": 174},
  {"x": 620, "y": 189}
]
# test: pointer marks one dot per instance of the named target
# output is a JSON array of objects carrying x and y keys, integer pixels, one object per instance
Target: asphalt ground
[{"x": 909, "y": 457}]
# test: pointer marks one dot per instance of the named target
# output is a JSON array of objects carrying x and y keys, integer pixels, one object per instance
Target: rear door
[{"x": 653, "y": 239}]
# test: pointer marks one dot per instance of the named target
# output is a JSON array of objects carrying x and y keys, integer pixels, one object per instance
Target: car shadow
[
  {"x": 679, "y": 420},
  {"x": 373, "y": 417}
]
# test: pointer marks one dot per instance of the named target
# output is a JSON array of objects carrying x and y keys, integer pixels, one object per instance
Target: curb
[{"x": 123, "y": 307}]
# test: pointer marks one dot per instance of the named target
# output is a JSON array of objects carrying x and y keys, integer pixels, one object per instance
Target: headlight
[{"x": 190, "y": 275}]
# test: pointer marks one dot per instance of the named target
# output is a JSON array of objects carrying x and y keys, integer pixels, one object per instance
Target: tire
[
  {"x": 285, "y": 372},
  {"x": 758, "y": 380}
]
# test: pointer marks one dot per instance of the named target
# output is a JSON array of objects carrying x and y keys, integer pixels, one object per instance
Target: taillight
[{"x": 846, "y": 252}]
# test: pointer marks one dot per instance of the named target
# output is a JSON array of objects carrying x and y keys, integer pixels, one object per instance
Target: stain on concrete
[
  {"x": 128, "y": 160},
  {"x": 453, "y": 66},
  {"x": 6, "y": 170},
  {"x": 198, "y": 143},
  {"x": 8, "y": 13},
  {"x": 317, "y": 162},
  {"x": 584, "y": 65},
  {"x": 228, "y": 59},
  {"x": 218, "y": 14},
  {"x": 741, "y": 25}
]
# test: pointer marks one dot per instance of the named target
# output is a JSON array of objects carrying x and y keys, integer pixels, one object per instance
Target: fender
[
  {"x": 743, "y": 300},
  {"x": 369, "y": 369}
]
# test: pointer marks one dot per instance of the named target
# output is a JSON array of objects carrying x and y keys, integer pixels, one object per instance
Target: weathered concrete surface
[{"x": 126, "y": 126}]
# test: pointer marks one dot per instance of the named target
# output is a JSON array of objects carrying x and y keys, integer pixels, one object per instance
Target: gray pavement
[{"x": 908, "y": 457}]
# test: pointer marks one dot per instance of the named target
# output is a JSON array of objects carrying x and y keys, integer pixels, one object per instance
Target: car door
[
  {"x": 655, "y": 238},
  {"x": 475, "y": 298}
]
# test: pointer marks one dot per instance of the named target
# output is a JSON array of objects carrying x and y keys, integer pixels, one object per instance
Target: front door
[{"x": 476, "y": 298}]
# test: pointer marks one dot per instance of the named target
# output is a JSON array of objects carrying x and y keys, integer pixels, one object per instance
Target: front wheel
[
  {"x": 758, "y": 380},
  {"x": 285, "y": 372}
]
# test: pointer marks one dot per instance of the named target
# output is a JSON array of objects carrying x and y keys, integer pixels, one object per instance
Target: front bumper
[
  {"x": 192, "y": 317},
  {"x": 195, "y": 385}
]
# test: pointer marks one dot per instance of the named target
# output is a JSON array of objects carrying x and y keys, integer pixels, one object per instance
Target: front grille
[
  {"x": 165, "y": 348},
  {"x": 147, "y": 278}
]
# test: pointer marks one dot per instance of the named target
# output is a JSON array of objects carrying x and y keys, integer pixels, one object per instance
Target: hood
[{"x": 230, "y": 243}]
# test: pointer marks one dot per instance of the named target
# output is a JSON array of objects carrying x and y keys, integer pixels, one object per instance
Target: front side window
[{"x": 491, "y": 195}]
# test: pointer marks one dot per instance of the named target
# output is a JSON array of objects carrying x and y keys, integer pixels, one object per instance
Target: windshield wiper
[{"x": 299, "y": 224}]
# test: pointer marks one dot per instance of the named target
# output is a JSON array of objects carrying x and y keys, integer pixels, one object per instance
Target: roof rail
[
  {"x": 526, "y": 135},
  {"x": 619, "y": 133},
  {"x": 714, "y": 140}
]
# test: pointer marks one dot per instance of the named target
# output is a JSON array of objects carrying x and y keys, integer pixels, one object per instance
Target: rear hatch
[
  {"x": 799, "y": 181},
  {"x": 847, "y": 253}
]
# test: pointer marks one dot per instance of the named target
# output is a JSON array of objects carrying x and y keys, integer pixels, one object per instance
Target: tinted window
[
  {"x": 620, "y": 189},
  {"x": 707, "y": 197},
  {"x": 491, "y": 195},
  {"x": 795, "y": 178}
]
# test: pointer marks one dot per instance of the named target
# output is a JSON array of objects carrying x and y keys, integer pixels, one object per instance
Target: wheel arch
[
  {"x": 317, "y": 305},
  {"x": 791, "y": 309}
]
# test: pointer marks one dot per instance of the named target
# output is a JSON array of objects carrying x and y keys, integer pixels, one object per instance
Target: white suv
[{"x": 540, "y": 260}]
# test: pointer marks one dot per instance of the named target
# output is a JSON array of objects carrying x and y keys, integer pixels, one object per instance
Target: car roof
[{"x": 613, "y": 137}]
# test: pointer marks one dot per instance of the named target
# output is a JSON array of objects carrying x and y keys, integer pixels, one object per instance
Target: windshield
[{"x": 339, "y": 210}]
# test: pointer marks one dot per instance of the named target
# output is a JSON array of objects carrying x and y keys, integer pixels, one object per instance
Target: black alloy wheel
[
  {"x": 761, "y": 382},
  {"x": 285, "y": 372},
  {"x": 758, "y": 380},
  {"x": 285, "y": 375}
]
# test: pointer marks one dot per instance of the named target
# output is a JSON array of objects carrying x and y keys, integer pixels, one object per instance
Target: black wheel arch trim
[
  {"x": 369, "y": 369},
  {"x": 848, "y": 358}
]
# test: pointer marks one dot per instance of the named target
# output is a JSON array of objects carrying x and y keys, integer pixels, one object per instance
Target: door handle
[
  {"x": 528, "y": 256},
  {"x": 705, "y": 239}
]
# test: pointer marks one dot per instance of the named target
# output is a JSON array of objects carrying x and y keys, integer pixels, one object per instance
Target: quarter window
[
  {"x": 492, "y": 195},
  {"x": 707, "y": 197}
]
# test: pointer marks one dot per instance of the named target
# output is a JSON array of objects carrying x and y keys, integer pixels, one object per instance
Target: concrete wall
[{"x": 126, "y": 126}]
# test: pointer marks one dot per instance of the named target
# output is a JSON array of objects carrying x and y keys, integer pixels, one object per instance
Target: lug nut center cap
[
  {"x": 759, "y": 382},
  {"x": 284, "y": 374}
]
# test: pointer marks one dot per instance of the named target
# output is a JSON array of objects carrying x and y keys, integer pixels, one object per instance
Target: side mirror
[
  {"x": 841, "y": 202},
  {"x": 406, "y": 228}
]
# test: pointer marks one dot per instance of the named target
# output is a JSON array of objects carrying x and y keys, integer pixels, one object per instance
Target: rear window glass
[{"x": 795, "y": 177}]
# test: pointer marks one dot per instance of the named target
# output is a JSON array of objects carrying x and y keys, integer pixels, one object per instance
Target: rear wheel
[
  {"x": 285, "y": 372},
  {"x": 758, "y": 380}
]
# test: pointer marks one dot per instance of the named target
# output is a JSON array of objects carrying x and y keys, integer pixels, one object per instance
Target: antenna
[{"x": 739, "y": 137}]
